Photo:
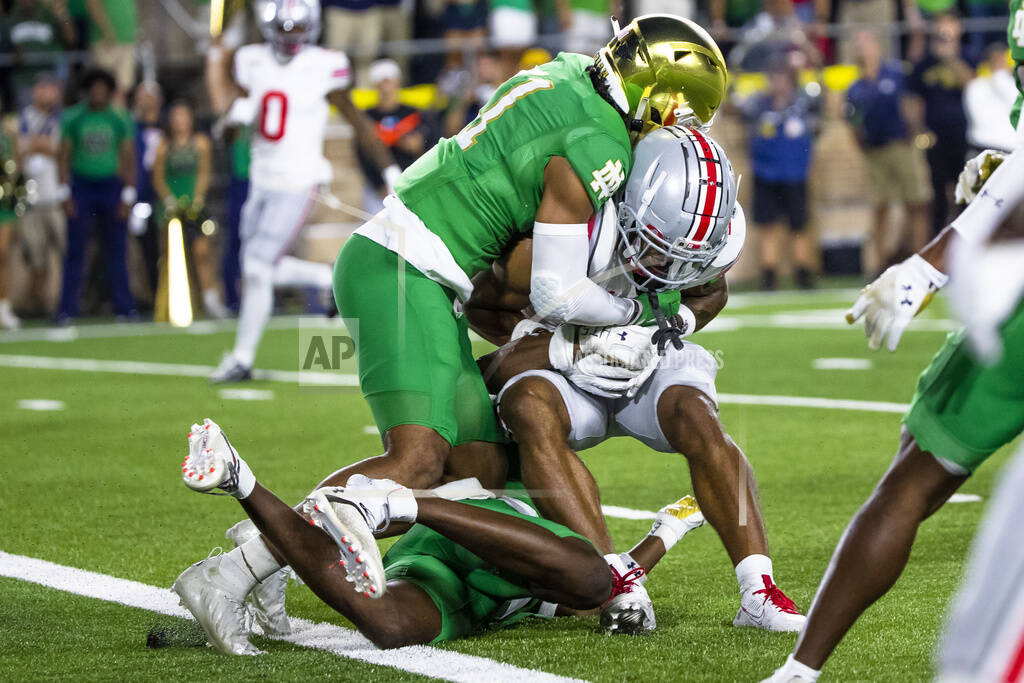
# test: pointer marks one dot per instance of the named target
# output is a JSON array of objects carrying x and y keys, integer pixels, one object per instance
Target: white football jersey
[
  {"x": 603, "y": 266},
  {"x": 289, "y": 99}
]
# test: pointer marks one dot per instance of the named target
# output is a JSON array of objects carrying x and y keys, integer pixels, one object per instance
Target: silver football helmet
[
  {"x": 675, "y": 210},
  {"x": 288, "y": 25}
]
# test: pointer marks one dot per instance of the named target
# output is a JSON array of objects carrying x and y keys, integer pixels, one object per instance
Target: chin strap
[{"x": 666, "y": 333}]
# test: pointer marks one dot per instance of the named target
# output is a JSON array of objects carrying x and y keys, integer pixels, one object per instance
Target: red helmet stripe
[{"x": 712, "y": 188}]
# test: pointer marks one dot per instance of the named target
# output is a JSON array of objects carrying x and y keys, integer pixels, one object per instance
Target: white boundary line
[
  {"x": 337, "y": 379},
  {"x": 419, "y": 659}
]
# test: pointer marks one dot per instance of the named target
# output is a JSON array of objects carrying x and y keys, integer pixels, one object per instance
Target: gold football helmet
[{"x": 662, "y": 69}]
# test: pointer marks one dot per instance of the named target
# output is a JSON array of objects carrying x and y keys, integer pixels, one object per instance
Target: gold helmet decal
[{"x": 663, "y": 69}]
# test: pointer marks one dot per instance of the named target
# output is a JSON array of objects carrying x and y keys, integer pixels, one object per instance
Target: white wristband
[
  {"x": 687, "y": 321},
  {"x": 934, "y": 275},
  {"x": 561, "y": 348},
  {"x": 667, "y": 536},
  {"x": 63, "y": 193},
  {"x": 128, "y": 194}
]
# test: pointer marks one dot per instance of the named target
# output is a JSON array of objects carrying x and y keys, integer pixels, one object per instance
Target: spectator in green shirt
[
  {"x": 35, "y": 35},
  {"x": 97, "y": 159},
  {"x": 114, "y": 26}
]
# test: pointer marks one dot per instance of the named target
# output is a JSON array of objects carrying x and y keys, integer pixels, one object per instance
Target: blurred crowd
[{"x": 100, "y": 151}]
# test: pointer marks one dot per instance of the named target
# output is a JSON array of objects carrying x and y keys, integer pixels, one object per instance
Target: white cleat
[
  {"x": 682, "y": 516},
  {"x": 629, "y": 611},
  {"x": 769, "y": 608},
  {"x": 217, "y": 606},
  {"x": 212, "y": 462},
  {"x": 348, "y": 524},
  {"x": 266, "y": 602}
]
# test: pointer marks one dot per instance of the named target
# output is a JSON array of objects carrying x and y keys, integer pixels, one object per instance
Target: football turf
[{"x": 95, "y": 486}]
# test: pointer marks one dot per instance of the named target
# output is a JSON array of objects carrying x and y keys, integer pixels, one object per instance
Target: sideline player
[
  {"x": 550, "y": 149},
  {"x": 286, "y": 85},
  {"x": 963, "y": 411},
  {"x": 552, "y": 415},
  {"x": 464, "y": 564}
]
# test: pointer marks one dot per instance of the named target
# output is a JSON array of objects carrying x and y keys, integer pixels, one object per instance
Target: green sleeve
[
  {"x": 600, "y": 161},
  {"x": 668, "y": 302}
]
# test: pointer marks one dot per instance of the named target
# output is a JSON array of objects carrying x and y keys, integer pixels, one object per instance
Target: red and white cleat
[
  {"x": 769, "y": 608},
  {"x": 629, "y": 611}
]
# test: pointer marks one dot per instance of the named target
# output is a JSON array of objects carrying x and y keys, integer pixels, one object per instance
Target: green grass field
[{"x": 95, "y": 486}]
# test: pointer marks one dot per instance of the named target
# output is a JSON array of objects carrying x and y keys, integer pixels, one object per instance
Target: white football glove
[
  {"x": 976, "y": 171},
  {"x": 987, "y": 281},
  {"x": 611, "y": 361},
  {"x": 889, "y": 303}
]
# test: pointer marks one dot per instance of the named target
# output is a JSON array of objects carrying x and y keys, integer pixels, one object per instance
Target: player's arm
[
  {"x": 706, "y": 301},
  {"x": 366, "y": 135},
  {"x": 560, "y": 290},
  {"x": 203, "y": 174}
]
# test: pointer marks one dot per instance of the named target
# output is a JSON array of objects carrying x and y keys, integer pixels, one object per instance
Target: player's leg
[
  {"x": 257, "y": 251},
  {"x": 984, "y": 638},
  {"x": 874, "y": 548},
  {"x": 563, "y": 569},
  {"x": 213, "y": 590},
  {"x": 961, "y": 414},
  {"x": 535, "y": 408},
  {"x": 677, "y": 411},
  {"x": 723, "y": 480}
]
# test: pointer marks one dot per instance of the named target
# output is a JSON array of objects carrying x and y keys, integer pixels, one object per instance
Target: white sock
[
  {"x": 296, "y": 272},
  {"x": 254, "y": 312},
  {"x": 794, "y": 668},
  {"x": 261, "y": 563},
  {"x": 246, "y": 481},
  {"x": 751, "y": 569}
]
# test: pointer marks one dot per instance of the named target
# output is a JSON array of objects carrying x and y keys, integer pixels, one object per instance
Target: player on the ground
[
  {"x": 964, "y": 410},
  {"x": 551, "y": 148},
  {"x": 675, "y": 229},
  {"x": 464, "y": 564},
  {"x": 284, "y": 87}
]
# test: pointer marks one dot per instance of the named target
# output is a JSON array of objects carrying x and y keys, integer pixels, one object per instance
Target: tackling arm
[{"x": 560, "y": 290}]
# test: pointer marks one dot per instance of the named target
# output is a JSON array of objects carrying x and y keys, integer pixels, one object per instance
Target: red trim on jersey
[
  {"x": 1016, "y": 668},
  {"x": 590, "y": 226},
  {"x": 340, "y": 73},
  {"x": 709, "y": 198}
]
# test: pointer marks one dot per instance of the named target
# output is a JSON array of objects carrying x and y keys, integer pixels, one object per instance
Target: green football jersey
[
  {"x": 1015, "y": 39},
  {"x": 181, "y": 169},
  {"x": 480, "y": 190},
  {"x": 96, "y": 137}
]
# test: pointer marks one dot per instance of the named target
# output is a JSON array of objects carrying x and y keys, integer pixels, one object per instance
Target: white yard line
[
  {"x": 419, "y": 659},
  {"x": 811, "y": 402},
  {"x": 128, "y": 367},
  {"x": 337, "y": 379}
]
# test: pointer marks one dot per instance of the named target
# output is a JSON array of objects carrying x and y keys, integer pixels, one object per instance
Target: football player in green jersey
[
  {"x": 470, "y": 560},
  {"x": 549, "y": 149},
  {"x": 969, "y": 400}
]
